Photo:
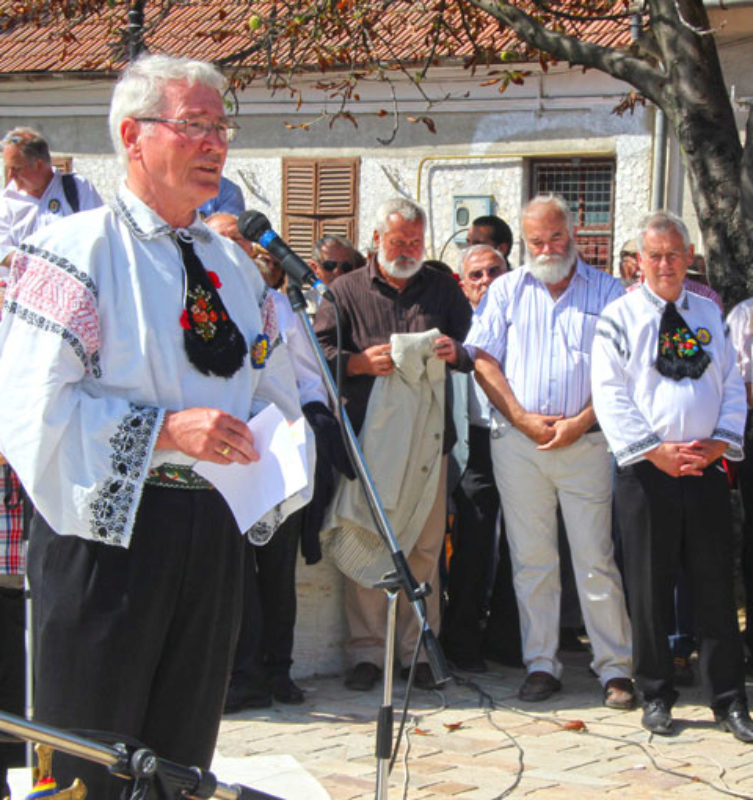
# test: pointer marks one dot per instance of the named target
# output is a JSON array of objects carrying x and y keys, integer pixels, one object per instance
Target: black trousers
[
  {"x": 745, "y": 484},
  {"x": 665, "y": 523},
  {"x": 265, "y": 643},
  {"x": 477, "y": 508},
  {"x": 12, "y": 672},
  {"x": 138, "y": 641}
]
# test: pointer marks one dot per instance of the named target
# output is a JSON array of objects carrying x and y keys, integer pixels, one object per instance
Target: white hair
[
  {"x": 477, "y": 248},
  {"x": 140, "y": 91},
  {"x": 553, "y": 201},
  {"x": 401, "y": 206},
  {"x": 662, "y": 222}
]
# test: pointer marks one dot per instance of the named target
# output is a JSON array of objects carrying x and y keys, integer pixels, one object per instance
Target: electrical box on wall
[{"x": 465, "y": 208}]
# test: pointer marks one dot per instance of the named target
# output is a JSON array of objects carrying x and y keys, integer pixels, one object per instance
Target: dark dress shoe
[
  {"x": 423, "y": 678},
  {"x": 240, "y": 697},
  {"x": 737, "y": 721},
  {"x": 538, "y": 686},
  {"x": 363, "y": 677},
  {"x": 657, "y": 717},
  {"x": 285, "y": 691}
]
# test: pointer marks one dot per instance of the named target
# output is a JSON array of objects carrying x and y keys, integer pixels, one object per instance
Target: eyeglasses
[
  {"x": 196, "y": 129},
  {"x": 331, "y": 266},
  {"x": 477, "y": 274}
]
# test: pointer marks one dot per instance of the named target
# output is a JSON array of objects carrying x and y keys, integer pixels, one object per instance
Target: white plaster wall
[
  {"x": 321, "y": 631},
  {"x": 632, "y": 191}
]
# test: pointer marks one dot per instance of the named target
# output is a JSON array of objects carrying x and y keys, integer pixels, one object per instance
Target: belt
[{"x": 176, "y": 476}]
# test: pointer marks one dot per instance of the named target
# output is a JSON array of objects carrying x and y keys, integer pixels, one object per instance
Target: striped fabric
[
  {"x": 543, "y": 345},
  {"x": 12, "y": 552}
]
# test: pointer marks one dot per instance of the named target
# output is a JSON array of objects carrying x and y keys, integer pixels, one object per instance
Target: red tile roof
[{"x": 214, "y": 30}]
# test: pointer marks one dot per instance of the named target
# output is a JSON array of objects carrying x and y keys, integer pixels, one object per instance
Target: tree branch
[{"x": 630, "y": 69}]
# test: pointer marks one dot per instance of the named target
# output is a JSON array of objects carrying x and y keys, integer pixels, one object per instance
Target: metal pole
[
  {"x": 400, "y": 579},
  {"x": 384, "y": 722},
  {"x": 135, "y": 29},
  {"x": 126, "y": 764}
]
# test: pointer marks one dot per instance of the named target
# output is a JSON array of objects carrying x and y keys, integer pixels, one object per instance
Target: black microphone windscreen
[{"x": 252, "y": 224}]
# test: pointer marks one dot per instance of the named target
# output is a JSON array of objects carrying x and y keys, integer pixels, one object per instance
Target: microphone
[{"x": 255, "y": 227}]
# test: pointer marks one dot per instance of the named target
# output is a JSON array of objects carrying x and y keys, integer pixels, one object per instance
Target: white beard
[
  {"x": 401, "y": 267},
  {"x": 552, "y": 269}
]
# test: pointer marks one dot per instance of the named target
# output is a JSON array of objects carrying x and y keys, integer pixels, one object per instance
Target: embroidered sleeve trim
[
  {"x": 270, "y": 324},
  {"x": 114, "y": 509},
  {"x": 636, "y": 448},
  {"x": 51, "y": 294},
  {"x": 727, "y": 436},
  {"x": 56, "y": 260},
  {"x": 609, "y": 329}
]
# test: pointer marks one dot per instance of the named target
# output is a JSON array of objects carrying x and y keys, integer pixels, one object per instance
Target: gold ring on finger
[{"x": 225, "y": 450}]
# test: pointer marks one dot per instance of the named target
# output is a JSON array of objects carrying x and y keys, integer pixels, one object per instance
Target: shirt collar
[
  {"x": 658, "y": 303},
  {"x": 145, "y": 223}
]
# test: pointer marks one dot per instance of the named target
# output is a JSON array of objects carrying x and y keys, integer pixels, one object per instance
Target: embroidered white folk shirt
[
  {"x": 637, "y": 407},
  {"x": 21, "y": 214},
  {"x": 543, "y": 345},
  {"x": 91, "y": 357}
]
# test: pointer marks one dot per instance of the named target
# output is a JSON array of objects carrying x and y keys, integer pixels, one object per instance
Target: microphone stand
[
  {"x": 393, "y": 582},
  {"x": 141, "y": 765}
]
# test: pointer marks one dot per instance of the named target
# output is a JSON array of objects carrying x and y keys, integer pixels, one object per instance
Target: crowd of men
[{"x": 140, "y": 337}]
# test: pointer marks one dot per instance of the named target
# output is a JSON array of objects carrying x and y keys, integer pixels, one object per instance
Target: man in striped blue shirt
[{"x": 531, "y": 342}]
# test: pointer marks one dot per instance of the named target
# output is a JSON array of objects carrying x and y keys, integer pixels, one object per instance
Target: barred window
[{"x": 588, "y": 187}]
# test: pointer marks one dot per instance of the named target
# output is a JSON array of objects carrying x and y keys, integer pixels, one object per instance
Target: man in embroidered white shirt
[
  {"x": 130, "y": 328},
  {"x": 671, "y": 402},
  {"x": 531, "y": 341}
]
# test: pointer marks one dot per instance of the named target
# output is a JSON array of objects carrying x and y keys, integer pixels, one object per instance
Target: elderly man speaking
[{"x": 125, "y": 357}]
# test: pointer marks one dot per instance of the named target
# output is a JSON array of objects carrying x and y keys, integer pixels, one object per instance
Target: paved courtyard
[{"x": 474, "y": 740}]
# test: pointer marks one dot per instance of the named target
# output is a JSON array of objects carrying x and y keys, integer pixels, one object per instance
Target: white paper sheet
[{"x": 253, "y": 489}]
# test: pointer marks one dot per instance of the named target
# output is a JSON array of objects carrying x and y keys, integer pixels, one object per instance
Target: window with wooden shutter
[
  {"x": 320, "y": 196},
  {"x": 587, "y": 185}
]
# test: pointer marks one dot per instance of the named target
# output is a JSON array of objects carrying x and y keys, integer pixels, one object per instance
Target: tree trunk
[{"x": 697, "y": 105}]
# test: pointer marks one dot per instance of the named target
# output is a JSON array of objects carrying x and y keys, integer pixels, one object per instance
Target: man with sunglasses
[
  {"x": 333, "y": 256},
  {"x": 126, "y": 359},
  {"x": 36, "y": 193},
  {"x": 476, "y": 504}
]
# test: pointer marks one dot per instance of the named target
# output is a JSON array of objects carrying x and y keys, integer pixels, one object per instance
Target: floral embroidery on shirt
[
  {"x": 115, "y": 503},
  {"x": 50, "y": 293},
  {"x": 203, "y": 313}
]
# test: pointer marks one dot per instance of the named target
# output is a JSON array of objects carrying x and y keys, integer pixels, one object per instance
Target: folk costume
[
  {"x": 135, "y": 562},
  {"x": 666, "y": 372}
]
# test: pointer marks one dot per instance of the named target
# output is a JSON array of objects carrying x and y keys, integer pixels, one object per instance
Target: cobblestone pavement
[{"x": 474, "y": 740}]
